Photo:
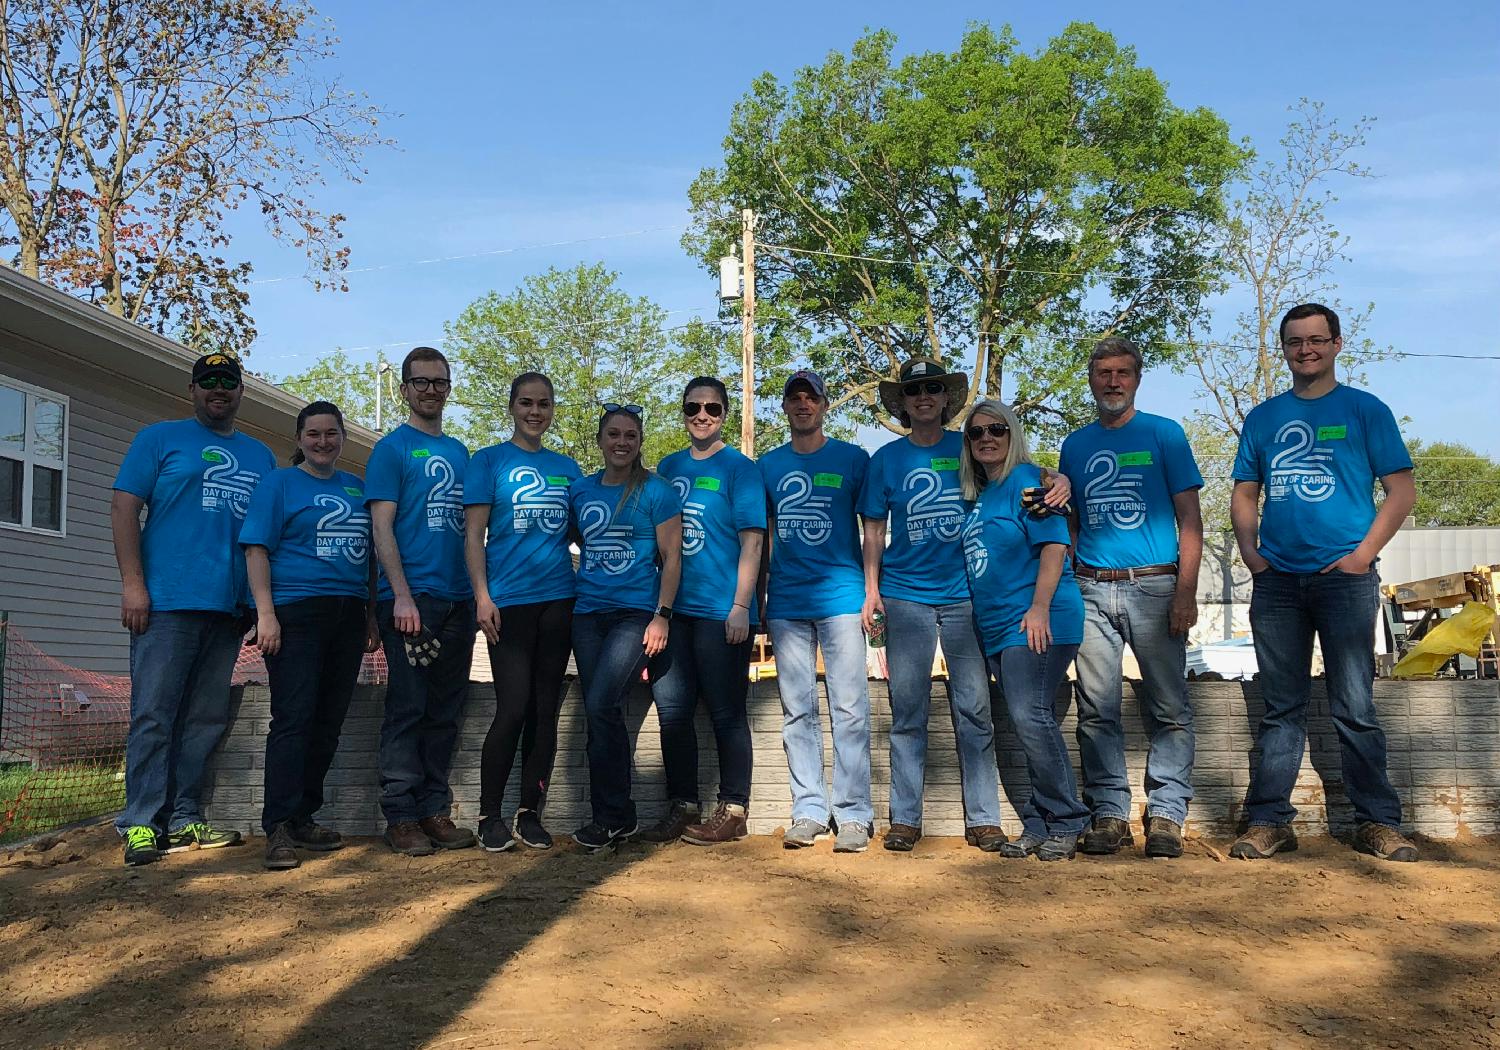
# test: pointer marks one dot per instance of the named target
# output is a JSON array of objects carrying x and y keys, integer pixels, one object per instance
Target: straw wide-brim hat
[{"x": 923, "y": 368}]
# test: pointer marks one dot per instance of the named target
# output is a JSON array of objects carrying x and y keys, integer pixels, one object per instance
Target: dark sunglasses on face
[
  {"x": 932, "y": 386},
  {"x": 994, "y": 430},
  {"x": 422, "y": 384},
  {"x": 219, "y": 383},
  {"x": 634, "y": 410},
  {"x": 692, "y": 408}
]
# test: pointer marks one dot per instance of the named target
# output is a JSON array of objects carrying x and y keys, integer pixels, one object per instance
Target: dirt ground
[{"x": 747, "y": 945}]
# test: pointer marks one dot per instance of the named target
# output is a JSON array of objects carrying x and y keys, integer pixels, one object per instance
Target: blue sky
[{"x": 519, "y": 127}]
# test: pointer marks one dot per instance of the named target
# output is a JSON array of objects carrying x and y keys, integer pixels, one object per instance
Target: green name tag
[
  {"x": 557, "y": 479},
  {"x": 420, "y": 453},
  {"x": 212, "y": 456},
  {"x": 942, "y": 463},
  {"x": 1133, "y": 459},
  {"x": 353, "y": 491},
  {"x": 829, "y": 481},
  {"x": 712, "y": 484},
  {"x": 1338, "y": 433}
]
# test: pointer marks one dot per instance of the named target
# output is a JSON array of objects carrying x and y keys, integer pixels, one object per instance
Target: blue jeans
[
  {"x": 608, "y": 648},
  {"x": 913, "y": 630},
  {"x": 179, "y": 707},
  {"x": 1029, "y": 681},
  {"x": 312, "y": 681},
  {"x": 1285, "y": 610},
  {"x": 422, "y": 708},
  {"x": 1134, "y": 613},
  {"x": 698, "y": 662},
  {"x": 843, "y": 642}
]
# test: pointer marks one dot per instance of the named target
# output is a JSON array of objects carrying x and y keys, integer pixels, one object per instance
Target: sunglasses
[
  {"x": 692, "y": 408},
  {"x": 634, "y": 410},
  {"x": 422, "y": 384},
  {"x": 932, "y": 386},
  {"x": 218, "y": 383},
  {"x": 994, "y": 430}
]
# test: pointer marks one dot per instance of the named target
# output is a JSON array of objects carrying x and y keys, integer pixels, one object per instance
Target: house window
[{"x": 33, "y": 458}]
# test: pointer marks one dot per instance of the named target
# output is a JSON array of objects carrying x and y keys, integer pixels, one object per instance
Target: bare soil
[{"x": 747, "y": 945}]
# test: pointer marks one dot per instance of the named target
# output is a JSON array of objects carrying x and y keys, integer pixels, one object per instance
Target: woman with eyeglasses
[
  {"x": 708, "y": 649},
  {"x": 516, "y": 549},
  {"x": 307, "y": 551},
  {"x": 629, "y": 529},
  {"x": 1030, "y": 617}
]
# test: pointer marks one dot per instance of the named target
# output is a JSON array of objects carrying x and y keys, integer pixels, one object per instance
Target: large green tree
[
  {"x": 353, "y": 386},
  {"x": 994, "y": 208},
  {"x": 1455, "y": 485},
  {"x": 597, "y": 343}
]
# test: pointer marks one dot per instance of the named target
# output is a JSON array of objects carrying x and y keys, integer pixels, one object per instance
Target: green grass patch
[{"x": 33, "y": 801}]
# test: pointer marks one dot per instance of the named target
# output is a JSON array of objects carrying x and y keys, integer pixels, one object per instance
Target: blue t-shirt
[
  {"x": 526, "y": 555},
  {"x": 316, "y": 532},
  {"x": 197, "y": 485},
  {"x": 816, "y": 570},
  {"x": 424, "y": 477},
  {"x": 919, "y": 488},
  {"x": 617, "y": 564},
  {"x": 1317, "y": 460},
  {"x": 1125, "y": 479},
  {"x": 720, "y": 496},
  {"x": 1003, "y": 552}
]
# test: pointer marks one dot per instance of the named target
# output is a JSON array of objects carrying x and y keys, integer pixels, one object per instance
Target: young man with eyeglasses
[
  {"x": 816, "y": 588},
  {"x": 1138, "y": 537},
  {"x": 1316, "y": 451},
  {"x": 918, "y": 585},
  {"x": 425, "y": 609},
  {"x": 184, "y": 601}
]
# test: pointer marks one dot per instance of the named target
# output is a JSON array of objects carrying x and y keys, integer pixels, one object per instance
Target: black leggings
[{"x": 528, "y": 664}]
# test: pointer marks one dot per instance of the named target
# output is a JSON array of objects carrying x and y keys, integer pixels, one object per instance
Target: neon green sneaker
[
  {"x": 140, "y": 845},
  {"x": 199, "y": 835}
]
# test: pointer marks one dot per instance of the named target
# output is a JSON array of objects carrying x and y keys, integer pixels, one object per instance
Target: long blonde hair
[{"x": 973, "y": 477}]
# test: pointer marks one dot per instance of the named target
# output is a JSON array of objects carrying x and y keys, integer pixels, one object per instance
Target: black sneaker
[
  {"x": 594, "y": 837},
  {"x": 309, "y": 834},
  {"x": 1107, "y": 835},
  {"x": 281, "y": 851},
  {"x": 530, "y": 831},
  {"x": 494, "y": 834},
  {"x": 680, "y": 816}
]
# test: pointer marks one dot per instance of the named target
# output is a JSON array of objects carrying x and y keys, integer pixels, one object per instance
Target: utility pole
[
  {"x": 747, "y": 335},
  {"x": 380, "y": 370}
]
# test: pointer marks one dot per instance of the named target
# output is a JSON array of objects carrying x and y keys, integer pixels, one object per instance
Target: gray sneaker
[
  {"x": 1058, "y": 847},
  {"x": 803, "y": 832},
  {"x": 1022, "y": 847},
  {"x": 854, "y": 837}
]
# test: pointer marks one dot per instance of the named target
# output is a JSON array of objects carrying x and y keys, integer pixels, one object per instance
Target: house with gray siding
[{"x": 76, "y": 384}]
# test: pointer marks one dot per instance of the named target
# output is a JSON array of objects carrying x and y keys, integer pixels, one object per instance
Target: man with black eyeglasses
[
  {"x": 184, "y": 600},
  {"x": 1316, "y": 451},
  {"x": 425, "y": 609}
]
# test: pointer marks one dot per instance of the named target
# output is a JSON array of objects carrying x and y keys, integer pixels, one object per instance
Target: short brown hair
[
  {"x": 1298, "y": 313},
  {"x": 423, "y": 353}
]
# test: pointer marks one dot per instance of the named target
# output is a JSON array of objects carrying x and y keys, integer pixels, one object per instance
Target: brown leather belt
[{"x": 1088, "y": 572}]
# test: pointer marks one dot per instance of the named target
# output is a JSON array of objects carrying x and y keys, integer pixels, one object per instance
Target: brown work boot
[
  {"x": 902, "y": 838},
  {"x": 987, "y": 837},
  {"x": 1107, "y": 835},
  {"x": 726, "y": 824},
  {"x": 1262, "y": 840},
  {"x": 679, "y": 816},
  {"x": 1163, "y": 837},
  {"x": 408, "y": 838},
  {"x": 1384, "y": 842},
  {"x": 446, "y": 834}
]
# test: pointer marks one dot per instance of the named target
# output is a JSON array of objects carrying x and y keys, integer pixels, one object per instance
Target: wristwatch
[{"x": 664, "y": 611}]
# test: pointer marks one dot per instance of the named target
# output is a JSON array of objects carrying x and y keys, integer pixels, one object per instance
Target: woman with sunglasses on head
[
  {"x": 628, "y": 521},
  {"x": 516, "y": 549},
  {"x": 1030, "y": 617},
  {"x": 307, "y": 551},
  {"x": 708, "y": 649}
]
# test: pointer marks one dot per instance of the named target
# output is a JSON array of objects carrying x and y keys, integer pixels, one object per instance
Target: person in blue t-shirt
[
  {"x": 516, "y": 545},
  {"x": 708, "y": 650},
  {"x": 183, "y": 601},
  {"x": 1315, "y": 452},
  {"x": 1030, "y": 618},
  {"x": 1139, "y": 534},
  {"x": 307, "y": 548},
  {"x": 414, "y": 488},
  {"x": 629, "y": 527},
  {"x": 816, "y": 591}
]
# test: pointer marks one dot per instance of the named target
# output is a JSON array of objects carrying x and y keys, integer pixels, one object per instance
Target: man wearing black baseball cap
[{"x": 184, "y": 596}]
